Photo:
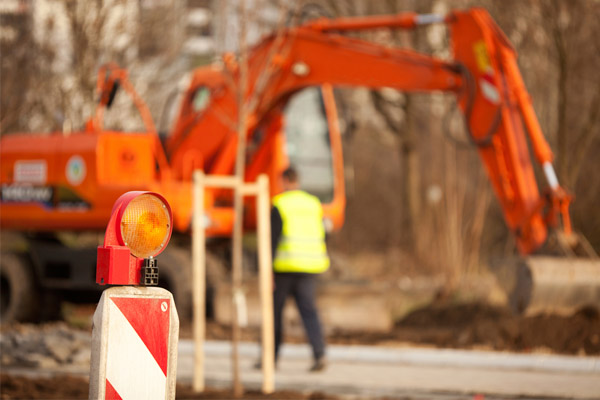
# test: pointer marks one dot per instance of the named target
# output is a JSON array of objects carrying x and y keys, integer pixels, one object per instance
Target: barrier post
[
  {"x": 136, "y": 327},
  {"x": 134, "y": 344}
]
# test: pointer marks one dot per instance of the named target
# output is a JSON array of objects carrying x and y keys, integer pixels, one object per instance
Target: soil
[
  {"x": 64, "y": 387},
  {"x": 477, "y": 325},
  {"x": 68, "y": 387},
  {"x": 461, "y": 326},
  {"x": 468, "y": 326}
]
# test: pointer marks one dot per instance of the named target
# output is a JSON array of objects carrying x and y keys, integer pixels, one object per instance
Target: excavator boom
[{"x": 483, "y": 75}]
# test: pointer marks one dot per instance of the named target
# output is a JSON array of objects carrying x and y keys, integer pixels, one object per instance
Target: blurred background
[
  {"x": 420, "y": 215},
  {"x": 407, "y": 153}
]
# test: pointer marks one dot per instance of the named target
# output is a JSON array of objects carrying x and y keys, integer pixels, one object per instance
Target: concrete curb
[{"x": 415, "y": 356}]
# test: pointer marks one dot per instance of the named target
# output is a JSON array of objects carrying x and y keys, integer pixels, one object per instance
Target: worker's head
[{"x": 289, "y": 179}]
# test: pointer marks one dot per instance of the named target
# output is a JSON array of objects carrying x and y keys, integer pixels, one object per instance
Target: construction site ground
[
  {"x": 470, "y": 325},
  {"x": 402, "y": 371},
  {"x": 51, "y": 360}
]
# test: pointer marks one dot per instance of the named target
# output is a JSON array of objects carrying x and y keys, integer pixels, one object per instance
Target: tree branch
[{"x": 586, "y": 137}]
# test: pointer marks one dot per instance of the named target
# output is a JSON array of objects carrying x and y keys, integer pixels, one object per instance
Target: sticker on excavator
[
  {"x": 75, "y": 170},
  {"x": 59, "y": 197},
  {"x": 31, "y": 171},
  {"x": 19, "y": 193},
  {"x": 488, "y": 89},
  {"x": 481, "y": 56},
  {"x": 486, "y": 81}
]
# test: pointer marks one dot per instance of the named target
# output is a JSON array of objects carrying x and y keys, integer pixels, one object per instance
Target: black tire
[
  {"x": 50, "y": 306},
  {"x": 175, "y": 275},
  {"x": 18, "y": 292}
]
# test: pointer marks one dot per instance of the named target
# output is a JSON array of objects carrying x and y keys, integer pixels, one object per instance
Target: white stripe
[
  {"x": 424, "y": 19},
  {"x": 550, "y": 175},
  {"x": 130, "y": 367},
  {"x": 489, "y": 91}
]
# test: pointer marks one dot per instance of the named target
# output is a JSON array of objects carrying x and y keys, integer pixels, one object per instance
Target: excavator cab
[
  {"x": 313, "y": 146},
  {"x": 204, "y": 136},
  {"x": 307, "y": 143}
]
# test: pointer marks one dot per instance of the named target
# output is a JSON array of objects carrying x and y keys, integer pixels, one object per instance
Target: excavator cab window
[
  {"x": 201, "y": 99},
  {"x": 308, "y": 143}
]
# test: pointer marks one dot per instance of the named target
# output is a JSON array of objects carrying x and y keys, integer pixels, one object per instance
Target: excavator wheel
[
  {"x": 18, "y": 291},
  {"x": 548, "y": 284},
  {"x": 175, "y": 275}
]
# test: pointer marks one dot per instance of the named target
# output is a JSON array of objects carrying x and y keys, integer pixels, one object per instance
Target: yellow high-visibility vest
[{"x": 301, "y": 247}]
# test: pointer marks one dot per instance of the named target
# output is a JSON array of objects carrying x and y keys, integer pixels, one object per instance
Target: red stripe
[
  {"x": 151, "y": 324},
  {"x": 111, "y": 393},
  {"x": 488, "y": 78}
]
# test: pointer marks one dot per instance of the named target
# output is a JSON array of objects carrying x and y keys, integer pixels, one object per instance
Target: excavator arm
[
  {"x": 110, "y": 78},
  {"x": 493, "y": 74},
  {"x": 483, "y": 74}
]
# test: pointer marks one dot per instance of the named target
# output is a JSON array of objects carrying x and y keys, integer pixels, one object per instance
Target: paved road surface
[{"x": 361, "y": 371}]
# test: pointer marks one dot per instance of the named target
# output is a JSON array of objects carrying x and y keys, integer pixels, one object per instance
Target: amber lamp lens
[{"x": 145, "y": 226}]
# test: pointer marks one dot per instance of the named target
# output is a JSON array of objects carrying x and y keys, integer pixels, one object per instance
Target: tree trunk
[
  {"x": 561, "y": 130},
  {"x": 410, "y": 184}
]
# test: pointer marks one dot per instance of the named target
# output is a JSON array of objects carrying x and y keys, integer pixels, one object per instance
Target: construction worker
[{"x": 299, "y": 255}]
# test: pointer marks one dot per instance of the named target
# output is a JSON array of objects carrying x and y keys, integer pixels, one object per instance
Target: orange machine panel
[
  {"x": 125, "y": 159},
  {"x": 46, "y": 177}
]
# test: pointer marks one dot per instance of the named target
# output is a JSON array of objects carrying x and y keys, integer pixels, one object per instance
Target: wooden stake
[
  {"x": 199, "y": 280},
  {"x": 221, "y": 181},
  {"x": 266, "y": 284},
  {"x": 261, "y": 191}
]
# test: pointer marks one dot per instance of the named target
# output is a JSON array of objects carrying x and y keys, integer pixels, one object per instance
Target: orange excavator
[{"x": 61, "y": 182}]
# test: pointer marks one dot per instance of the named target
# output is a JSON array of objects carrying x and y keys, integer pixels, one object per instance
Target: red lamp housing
[{"x": 139, "y": 228}]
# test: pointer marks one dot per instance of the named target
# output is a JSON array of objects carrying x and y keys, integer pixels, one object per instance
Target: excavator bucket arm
[{"x": 499, "y": 117}]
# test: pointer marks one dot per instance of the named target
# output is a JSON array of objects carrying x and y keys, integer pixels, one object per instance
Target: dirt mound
[
  {"x": 579, "y": 333},
  {"x": 479, "y": 325}
]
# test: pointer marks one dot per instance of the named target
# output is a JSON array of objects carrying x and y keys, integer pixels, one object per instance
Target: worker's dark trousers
[{"x": 302, "y": 287}]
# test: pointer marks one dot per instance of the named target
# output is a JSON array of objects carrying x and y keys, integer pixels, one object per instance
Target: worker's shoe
[{"x": 319, "y": 365}]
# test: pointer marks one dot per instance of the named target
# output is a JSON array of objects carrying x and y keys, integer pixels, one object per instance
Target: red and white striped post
[
  {"x": 134, "y": 344},
  {"x": 135, "y": 328}
]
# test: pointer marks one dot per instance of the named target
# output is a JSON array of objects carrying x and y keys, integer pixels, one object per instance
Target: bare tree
[
  {"x": 574, "y": 30},
  {"x": 559, "y": 58},
  {"x": 22, "y": 69},
  {"x": 48, "y": 81}
]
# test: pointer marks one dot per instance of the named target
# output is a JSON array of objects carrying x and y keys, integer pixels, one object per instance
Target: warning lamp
[{"x": 139, "y": 229}]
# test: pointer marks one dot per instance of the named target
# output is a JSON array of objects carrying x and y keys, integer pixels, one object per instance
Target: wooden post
[
  {"x": 261, "y": 191},
  {"x": 266, "y": 284},
  {"x": 236, "y": 280},
  {"x": 199, "y": 280}
]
